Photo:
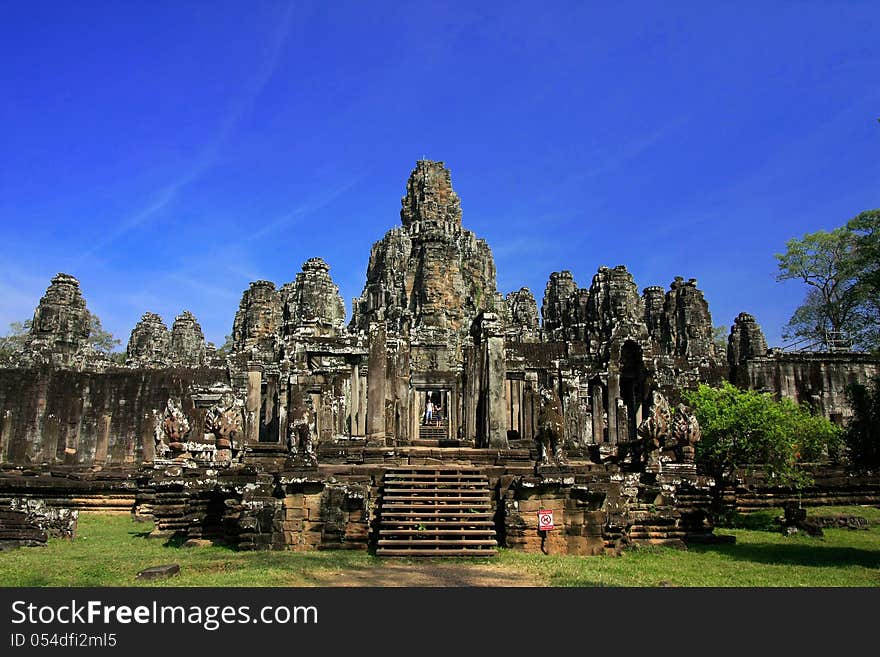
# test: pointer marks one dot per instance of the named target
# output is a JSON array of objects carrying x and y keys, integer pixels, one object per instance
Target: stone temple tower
[
  {"x": 428, "y": 280},
  {"x": 430, "y": 277}
]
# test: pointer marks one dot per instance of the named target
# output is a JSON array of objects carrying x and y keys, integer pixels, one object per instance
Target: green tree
[
  {"x": 99, "y": 339},
  {"x": 866, "y": 228},
  {"x": 15, "y": 339},
  {"x": 863, "y": 431},
  {"x": 226, "y": 348},
  {"x": 719, "y": 337},
  {"x": 749, "y": 430},
  {"x": 842, "y": 273},
  {"x": 826, "y": 263}
]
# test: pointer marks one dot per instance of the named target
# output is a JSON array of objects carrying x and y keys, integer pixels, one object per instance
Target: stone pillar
[
  {"x": 51, "y": 432},
  {"x": 496, "y": 415},
  {"x": 355, "y": 397},
  {"x": 362, "y": 405},
  {"x": 529, "y": 407},
  {"x": 597, "y": 408},
  {"x": 5, "y": 436},
  {"x": 283, "y": 394},
  {"x": 471, "y": 394},
  {"x": 103, "y": 440},
  {"x": 453, "y": 412},
  {"x": 515, "y": 399},
  {"x": 376, "y": 385},
  {"x": 401, "y": 391},
  {"x": 148, "y": 438},
  {"x": 622, "y": 422},
  {"x": 253, "y": 403},
  {"x": 613, "y": 394},
  {"x": 33, "y": 447}
]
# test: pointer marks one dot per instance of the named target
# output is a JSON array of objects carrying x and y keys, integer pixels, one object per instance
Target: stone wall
[
  {"x": 87, "y": 419},
  {"x": 818, "y": 379},
  {"x": 604, "y": 510},
  {"x": 254, "y": 510}
]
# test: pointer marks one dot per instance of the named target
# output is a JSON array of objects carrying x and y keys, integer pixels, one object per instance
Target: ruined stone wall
[
  {"x": 819, "y": 379},
  {"x": 833, "y": 485},
  {"x": 603, "y": 511},
  {"x": 253, "y": 510},
  {"x": 81, "y": 418}
]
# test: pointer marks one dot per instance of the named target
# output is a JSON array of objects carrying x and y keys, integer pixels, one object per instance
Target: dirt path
[{"x": 426, "y": 573}]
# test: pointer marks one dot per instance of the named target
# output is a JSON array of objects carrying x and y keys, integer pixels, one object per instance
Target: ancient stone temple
[
  {"x": 149, "y": 343},
  {"x": 61, "y": 325},
  {"x": 437, "y": 420}
]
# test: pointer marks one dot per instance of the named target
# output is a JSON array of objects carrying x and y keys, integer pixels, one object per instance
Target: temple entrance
[
  {"x": 432, "y": 408},
  {"x": 632, "y": 390}
]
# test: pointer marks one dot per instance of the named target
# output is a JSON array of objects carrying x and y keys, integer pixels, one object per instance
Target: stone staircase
[
  {"x": 435, "y": 512},
  {"x": 655, "y": 526},
  {"x": 436, "y": 431}
]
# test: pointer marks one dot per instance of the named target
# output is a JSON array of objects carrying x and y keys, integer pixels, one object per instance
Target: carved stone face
[{"x": 49, "y": 320}]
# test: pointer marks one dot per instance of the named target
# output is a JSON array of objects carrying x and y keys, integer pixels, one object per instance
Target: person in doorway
[{"x": 429, "y": 412}]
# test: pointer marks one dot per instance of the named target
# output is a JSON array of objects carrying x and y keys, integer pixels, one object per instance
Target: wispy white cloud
[
  {"x": 307, "y": 208},
  {"x": 202, "y": 287},
  {"x": 211, "y": 152}
]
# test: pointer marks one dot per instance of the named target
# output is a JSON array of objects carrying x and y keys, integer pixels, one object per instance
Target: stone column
[
  {"x": 362, "y": 405},
  {"x": 355, "y": 397},
  {"x": 613, "y": 394},
  {"x": 516, "y": 390},
  {"x": 283, "y": 395},
  {"x": 148, "y": 438},
  {"x": 103, "y": 441},
  {"x": 51, "y": 432},
  {"x": 452, "y": 411},
  {"x": 5, "y": 436},
  {"x": 597, "y": 404},
  {"x": 33, "y": 446},
  {"x": 496, "y": 414},
  {"x": 376, "y": 374},
  {"x": 471, "y": 394},
  {"x": 253, "y": 403},
  {"x": 401, "y": 390}
]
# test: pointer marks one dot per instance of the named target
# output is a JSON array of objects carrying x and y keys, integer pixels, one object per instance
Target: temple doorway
[
  {"x": 632, "y": 389},
  {"x": 432, "y": 409}
]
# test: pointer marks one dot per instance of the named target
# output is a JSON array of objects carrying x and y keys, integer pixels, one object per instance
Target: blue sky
[{"x": 168, "y": 153}]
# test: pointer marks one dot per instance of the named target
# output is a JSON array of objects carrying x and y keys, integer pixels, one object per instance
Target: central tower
[
  {"x": 427, "y": 281},
  {"x": 428, "y": 278}
]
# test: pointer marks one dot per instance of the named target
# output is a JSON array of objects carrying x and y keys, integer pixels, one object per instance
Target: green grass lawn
[{"x": 110, "y": 550}]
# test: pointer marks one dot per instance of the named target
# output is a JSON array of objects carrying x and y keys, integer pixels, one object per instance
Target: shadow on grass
[
  {"x": 817, "y": 556},
  {"x": 176, "y": 541},
  {"x": 761, "y": 521}
]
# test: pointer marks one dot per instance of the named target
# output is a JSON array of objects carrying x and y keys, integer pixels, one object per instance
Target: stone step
[
  {"x": 433, "y": 514},
  {"x": 430, "y": 471},
  {"x": 432, "y": 493},
  {"x": 437, "y": 552},
  {"x": 429, "y": 478},
  {"x": 438, "y": 542},
  {"x": 435, "y": 511},
  {"x": 439, "y": 485},
  {"x": 387, "y": 533},
  {"x": 651, "y": 535},
  {"x": 439, "y": 523},
  {"x": 392, "y": 499}
]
